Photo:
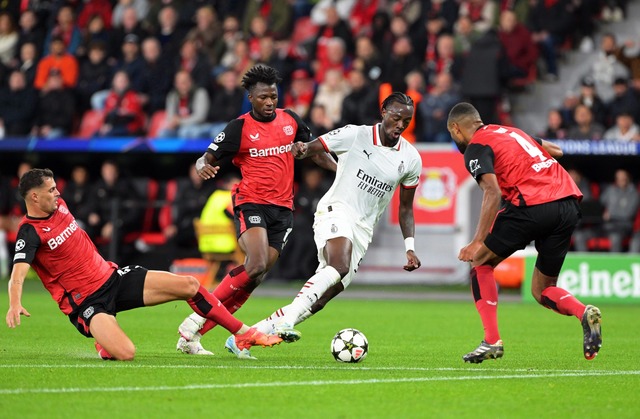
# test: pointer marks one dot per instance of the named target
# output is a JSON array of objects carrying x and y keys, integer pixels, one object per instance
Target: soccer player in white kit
[{"x": 372, "y": 162}]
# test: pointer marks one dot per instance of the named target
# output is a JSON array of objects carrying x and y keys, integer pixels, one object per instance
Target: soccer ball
[{"x": 349, "y": 345}]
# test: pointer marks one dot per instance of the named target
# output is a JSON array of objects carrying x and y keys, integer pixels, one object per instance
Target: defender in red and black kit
[
  {"x": 528, "y": 197},
  {"x": 87, "y": 288},
  {"x": 259, "y": 143}
]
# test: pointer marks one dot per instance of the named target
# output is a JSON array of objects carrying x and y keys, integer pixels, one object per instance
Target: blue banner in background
[
  {"x": 599, "y": 148},
  {"x": 105, "y": 145}
]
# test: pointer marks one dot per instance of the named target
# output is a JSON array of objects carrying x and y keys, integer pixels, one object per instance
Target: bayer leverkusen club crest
[{"x": 437, "y": 188}]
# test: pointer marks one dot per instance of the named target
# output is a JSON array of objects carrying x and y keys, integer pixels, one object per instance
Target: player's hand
[
  {"x": 13, "y": 316},
  {"x": 299, "y": 149},
  {"x": 413, "y": 262},
  {"x": 466, "y": 253},
  {"x": 208, "y": 171}
]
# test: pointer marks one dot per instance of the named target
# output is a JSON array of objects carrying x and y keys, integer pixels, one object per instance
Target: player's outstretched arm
[
  {"x": 408, "y": 228},
  {"x": 326, "y": 161},
  {"x": 553, "y": 149},
  {"x": 18, "y": 274},
  {"x": 205, "y": 168},
  {"x": 301, "y": 150}
]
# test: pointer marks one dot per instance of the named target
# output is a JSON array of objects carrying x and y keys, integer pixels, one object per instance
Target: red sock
[
  {"x": 485, "y": 294},
  {"x": 232, "y": 304},
  {"x": 236, "y": 279},
  {"x": 561, "y": 301},
  {"x": 207, "y": 305}
]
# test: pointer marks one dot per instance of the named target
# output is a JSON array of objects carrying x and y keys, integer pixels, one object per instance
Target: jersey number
[{"x": 532, "y": 150}]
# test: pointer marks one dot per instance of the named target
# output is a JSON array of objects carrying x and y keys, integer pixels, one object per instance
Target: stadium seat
[
  {"x": 156, "y": 123},
  {"x": 158, "y": 213},
  {"x": 90, "y": 123}
]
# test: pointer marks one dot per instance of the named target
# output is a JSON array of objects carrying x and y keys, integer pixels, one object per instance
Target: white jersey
[{"x": 368, "y": 172}]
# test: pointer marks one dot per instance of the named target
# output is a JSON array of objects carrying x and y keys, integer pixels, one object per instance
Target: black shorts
[
  {"x": 549, "y": 225},
  {"x": 123, "y": 291},
  {"x": 278, "y": 221}
]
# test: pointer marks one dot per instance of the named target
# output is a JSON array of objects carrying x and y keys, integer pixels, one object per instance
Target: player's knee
[
  {"x": 192, "y": 285},
  {"x": 126, "y": 352},
  {"x": 255, "y": 270},
  {"x": 341, "y": 268}
]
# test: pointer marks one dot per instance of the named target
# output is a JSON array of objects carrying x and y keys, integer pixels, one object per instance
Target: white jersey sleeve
[
  {"x": 340, "y": 140},
  {"x": 413, "y": 173}
]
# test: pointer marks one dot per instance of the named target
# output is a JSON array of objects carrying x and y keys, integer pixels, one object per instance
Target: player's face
[
  {"x": 395, "y": 119},
  {"x": 457, "y": 136},
  {"x": 47, "y": 196},
  {"x": 264, "y": 99}
]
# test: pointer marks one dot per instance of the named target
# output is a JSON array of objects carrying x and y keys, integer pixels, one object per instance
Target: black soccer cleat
[
  {"x": 591, "y": 320},
  {"x": 485, "y": 351}
]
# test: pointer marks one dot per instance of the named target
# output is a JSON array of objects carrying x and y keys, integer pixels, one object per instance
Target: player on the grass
[
  {"x": 541, "y": 204},
  {"x": 259, "y": 142},
  {"x": 91, "y": 290},
  {"x": 372, "y": 162}
]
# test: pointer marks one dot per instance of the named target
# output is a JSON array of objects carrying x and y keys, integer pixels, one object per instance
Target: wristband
[{"x": 409, "y": 244}]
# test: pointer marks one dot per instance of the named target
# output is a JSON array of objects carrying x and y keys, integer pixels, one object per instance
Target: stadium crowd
[{"x": 108, "y": 68}]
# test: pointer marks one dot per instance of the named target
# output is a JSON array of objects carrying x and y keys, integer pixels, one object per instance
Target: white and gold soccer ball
[{"x": 349, "y": 345}]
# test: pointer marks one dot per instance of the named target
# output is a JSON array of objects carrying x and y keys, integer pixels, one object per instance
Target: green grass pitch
[{"x": 414, "y": 367}]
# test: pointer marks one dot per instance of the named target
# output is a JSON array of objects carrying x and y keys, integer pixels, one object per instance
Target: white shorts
[{"x": 329, "y": 225}]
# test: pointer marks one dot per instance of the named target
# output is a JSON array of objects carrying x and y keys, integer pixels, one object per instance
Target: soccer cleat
[
  {"x": 231, "y": 346},
  {"x": 591, "y": 320},
  {"x": 253, "y": 337},
  {"x": 191, "y": 347},
  {"x": 102, "y": 353},
  {"x": 485, "y": 351},
  {"x": 287, "y": 332},
  {"x": 190, "y": 326}
]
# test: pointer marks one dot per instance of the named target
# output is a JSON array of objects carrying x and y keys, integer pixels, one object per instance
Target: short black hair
[
  {"x": 398, "y": 97},
  {"x": 33, "y": 179},
  {"x": 260, "y": 73},
  {"x": 462, "y": 110}
]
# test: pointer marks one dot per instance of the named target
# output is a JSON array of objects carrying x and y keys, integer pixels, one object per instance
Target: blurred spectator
[
  {"x": 208, "y": 34},
  {"x": 56, "y": 109},
  {"x": 123, "y": 114},
  {"x": 621, "y": 201},
  {"x": 130, "y": 26},
  {"x": 589, "y": 97},
  {"x": 65, "y": 29},
  {"x": 28, "y": 62},
  {"x": 556, "y": 127},
  {"x": 624, "y": 100},
  {"x": 140, "y": 6},
  {"x": 614, "y": 10},
  {"x": 550, "y": 22},
  {"x": 195, "y": 63},
  {"x": 11, "y": 212},
  {"x": 276, "y": 12},
  {"x": 360, "y": 17},
  {"x": 300, "y": 94},
  {"x": 131, "y": 61},
  {"x": 30, "y": 31},
  {"x": 583, "y": 183},
  {"x": 169, "y": 33},
  {"x": 237, "y": 60},
  {"x": 111, "y": 193},
  {"x": 434, "y": 109},
  {"x": 400, "y": 63},
  {"x": 585, "y": 127},
  {"x": 257, "y": 31},
  {"x": 380, "y": 34},
  {"x": 269, "y": 55},
  {"x": 342, "y": 9},
  {"x": 605, "y": 68},
  {"x": 18, "y": 103},
  {"x": 299, "y": 260},
  {"x": 410, "y": 10},
  {"x": 444, "y": 59},
  {"x": 60, "y": 60},
  {"x": 568, "y": 107},
  {"x": 464, "y": 36},
  {"x": 631, "y": 59},
  {"x": 76, "y": 194},
  {"x": 481, "y": 12},
  {"x": 634, "y": 243},
  {"x": 334, "y": 58},
  {"x": 8, "y": 38},
  {"x": 231, "y": 34},
  {"x": 520, "y": 50},
  {"x": 185, "y": 10},
  {"x": 367, "y": 58},
  {"x": 360, "y": 107},
  {"x": 319, "y": 121},
  {"x": 95, "y": 32},
  {"x": 187, "y": 109},
  {"x": 227, "y": 102},
  {"x": 156, "y": 76},
  {"x": 625, "y": 129},
  {"x": 480, "y": 82},
  {"x": 331, "y": 93},
  {"x": 334, "y": 27},
  {"x": 93, "y": 8},
  {"x": 398, "y": 28},
  {"x": 95, "y": 75}
]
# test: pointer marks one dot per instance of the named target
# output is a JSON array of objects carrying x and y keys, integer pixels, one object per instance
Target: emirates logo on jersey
[{"x": 288, "y": 130}]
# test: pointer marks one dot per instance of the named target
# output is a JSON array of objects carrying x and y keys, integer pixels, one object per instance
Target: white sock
[
  {"x": 268, "y": 325},
  {"x": 310, "y": 292}
]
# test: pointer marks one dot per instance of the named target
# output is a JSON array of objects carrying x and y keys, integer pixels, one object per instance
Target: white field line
[{"x": 68, "y": 390}]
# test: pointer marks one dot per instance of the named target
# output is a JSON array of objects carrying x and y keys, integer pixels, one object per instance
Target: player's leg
[{"x": 108, "y": 334}]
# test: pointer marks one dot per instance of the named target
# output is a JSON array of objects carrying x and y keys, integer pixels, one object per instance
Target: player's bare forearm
[
  {"x": 326, "y": 161},
  {"x": 302, "y": 150},
  {"x": 205, "y": 166},
  {"x": 18, "y": 274},
  {"x": 490, "y": 206},
  {"x": 405, "y": 212},
  {"x": 553, "y": 149}
]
